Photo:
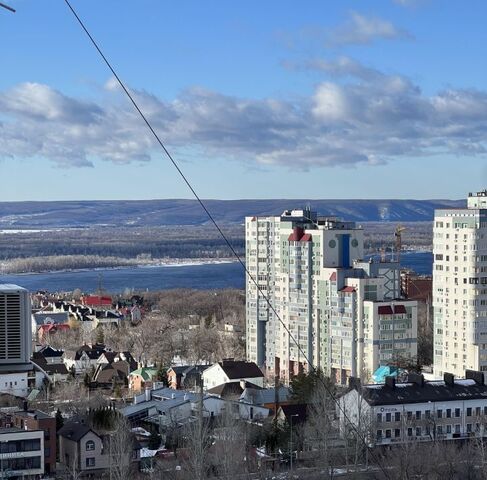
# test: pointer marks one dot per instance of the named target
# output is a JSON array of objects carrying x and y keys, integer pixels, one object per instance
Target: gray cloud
[
  {"x": 361, "y": 30},
  {"x": 365, "y": 117}
]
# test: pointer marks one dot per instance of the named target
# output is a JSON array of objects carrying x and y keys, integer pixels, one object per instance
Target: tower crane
[{"x": 398, "y": 241}]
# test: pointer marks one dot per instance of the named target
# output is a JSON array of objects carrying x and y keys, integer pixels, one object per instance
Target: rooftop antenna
[{"x": 3, "y": 5}]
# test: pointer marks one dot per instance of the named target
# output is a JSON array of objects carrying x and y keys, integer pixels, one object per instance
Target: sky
[{"x": 274, "y": 99}]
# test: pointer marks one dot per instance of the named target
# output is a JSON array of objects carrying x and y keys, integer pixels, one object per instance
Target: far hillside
[{"x": 152, "y": 213}]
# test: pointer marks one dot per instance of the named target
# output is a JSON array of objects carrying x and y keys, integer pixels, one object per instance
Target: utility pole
[{"x": 291, "y": 442}]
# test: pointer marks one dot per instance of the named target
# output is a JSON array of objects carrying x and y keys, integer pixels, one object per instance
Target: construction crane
[
  {"x": 398, "y": 241},
  {"x": 7, "y": 7}
]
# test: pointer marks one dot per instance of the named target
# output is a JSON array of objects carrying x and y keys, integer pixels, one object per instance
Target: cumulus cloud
[
  {"x": 364, "y": 117},
  {"x": 361, "y": 30}
]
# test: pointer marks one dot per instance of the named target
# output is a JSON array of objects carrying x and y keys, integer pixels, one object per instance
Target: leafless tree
[{"x": 121, "y": 447}]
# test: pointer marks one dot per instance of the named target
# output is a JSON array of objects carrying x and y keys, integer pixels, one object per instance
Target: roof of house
[
  {"x": 297, "y": 411},
  {"x": 93, "y": 352},
  {"x": 49, "y": 368},
  {"x": 50, "y": 317},
  {"x": 49, "y": 352},
  {"x": 238, "y": 369},
  {"x": 435, "y": 391},
  {"x": 107, "y": 373},
  {"x": 74, "y": 431},
  {"x": 227, "y": 389},
  {"x": 97, "y": 300},
  {"x": 145, "y": 372},
  {"x": 261, "y": 396},
  {"x": 53, "y": 327}
]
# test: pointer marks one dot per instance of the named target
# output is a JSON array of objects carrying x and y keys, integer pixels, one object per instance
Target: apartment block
[
  {"x": 460, "y": 287},
  {"x": 342, "y": 314}
]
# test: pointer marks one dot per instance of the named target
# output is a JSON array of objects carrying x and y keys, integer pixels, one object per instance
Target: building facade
[
  {"x": 460, "y": 287},
  {"x": 22, "y": 452},
  {"x": 331, "y": 303},
  {"x": 420, "y": 411}
]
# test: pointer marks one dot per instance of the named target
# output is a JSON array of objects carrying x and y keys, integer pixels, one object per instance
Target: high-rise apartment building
[
  {"x": 15, "y": 328},
  {"x": 460, "y": 287},
  {"x": 345, "y": 314}
]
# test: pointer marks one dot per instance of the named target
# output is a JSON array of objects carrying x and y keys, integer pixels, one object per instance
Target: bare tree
[{"x": 121, "y": 447}]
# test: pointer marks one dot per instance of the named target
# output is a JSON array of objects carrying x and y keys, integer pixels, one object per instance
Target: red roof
[
  {"x": 400, "y": 309},
  {"x": 298, "y": 235},
  {"x": 385, "y": 310},
  {"x": 347, "y": 289},
  {"x": 95, "y": 300}
]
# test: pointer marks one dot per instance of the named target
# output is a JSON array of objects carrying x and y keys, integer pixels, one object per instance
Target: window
[
  {"x": 410, "y": 432},
  {"x": 439, "y": 429},
  {"x": 477, "y": 411},
  {"x": 418, "y": 431},
  {"x": 397, "y": 432},
  {"x": 379, "y": 417},
  {"x": 388, "y": 417},
  {"x": 469, "y": 411},
  {"x": 418, "y": 415},
  {"x": 379, "y": 434},
  {"x": 457, "y": 412},
  {"x": 397, "y": 416},
  {"x": 90, "y": 445},
  {"x": 388, "y": 433},
  {"x": 410, "y": 415},
  {"x": 457, "y": 429},
  {"x": 439, "y": 413},
  {"x": 469, "y": 427},
  {"x": 448, "y": 413},
  {"x": 427, "y": 414},
  {"x": 90, "y": 462}
]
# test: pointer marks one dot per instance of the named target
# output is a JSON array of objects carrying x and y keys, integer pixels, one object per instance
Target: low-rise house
[
  {"x": 232, "y": 390},
  {"x": 185, "y": 376},
  {"x": 48, "y": 318},
  {"x": 296, "y": 413},
  {"x": 267, "y": 397},
  {"x": 111, "y": 375},
  {"x": 56, "y": 372},
  {"x": 45, "y": 331},
  {"x": 111, "y": 357},
  {"x": 230, "y": 370},
  {"x": 81, "y": 450},
  {"x": 85, "y": 358},
  {"x": 50, "y": 355},
  {"x": 98, "y": 301},
  {"x": 22, "y": 452},
  {"x": 416, "y": 410},
  {"x": 142, "y": 378}
]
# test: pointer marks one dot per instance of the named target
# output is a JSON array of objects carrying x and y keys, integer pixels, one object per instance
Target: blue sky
[{"x": 336, "y": 99}]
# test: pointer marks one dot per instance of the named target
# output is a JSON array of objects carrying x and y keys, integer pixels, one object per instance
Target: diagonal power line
[{"x": 220, "y": 231}]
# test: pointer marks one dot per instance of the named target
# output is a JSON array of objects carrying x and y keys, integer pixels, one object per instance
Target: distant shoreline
[{"x": 183, "y": 262}]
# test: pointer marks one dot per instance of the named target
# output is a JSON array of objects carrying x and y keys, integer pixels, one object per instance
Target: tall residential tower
[
  {"x": 460, "y": 287},
  {"x": 346, "y": 315}
]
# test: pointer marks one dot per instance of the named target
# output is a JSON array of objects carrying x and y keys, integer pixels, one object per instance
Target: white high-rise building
[
  {"x": 346, "y": 315},
  {"x": 460, "y": 287},
  {"x": 15, "y": 328}
]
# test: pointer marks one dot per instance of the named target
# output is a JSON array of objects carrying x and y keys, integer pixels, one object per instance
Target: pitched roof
[
  {"x": 290, "y": 411},
  {"x": 145, "y": 372},
  {"x": 261, "y": 396},
  {"x": 232, "y": 389},
  {"x": 48, "y": 352},
  {"x": 238, "y": 369},
  {"x": 74, "y": 431}
]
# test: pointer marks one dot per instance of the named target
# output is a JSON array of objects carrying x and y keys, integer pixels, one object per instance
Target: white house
[
  {"x": 416, "y": 410},
  {"x": 229, "y": 371}
]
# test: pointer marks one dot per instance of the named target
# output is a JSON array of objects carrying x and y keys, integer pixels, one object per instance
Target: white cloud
[
  {"x": 362, "y": 30},
  {"x": 371, "y": 118}
]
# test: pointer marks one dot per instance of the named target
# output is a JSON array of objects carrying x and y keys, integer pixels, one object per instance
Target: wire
[{"x": 220, "y": 231}]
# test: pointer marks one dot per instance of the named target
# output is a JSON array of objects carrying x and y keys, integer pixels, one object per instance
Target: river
[{"x": 199, "y": 276}]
